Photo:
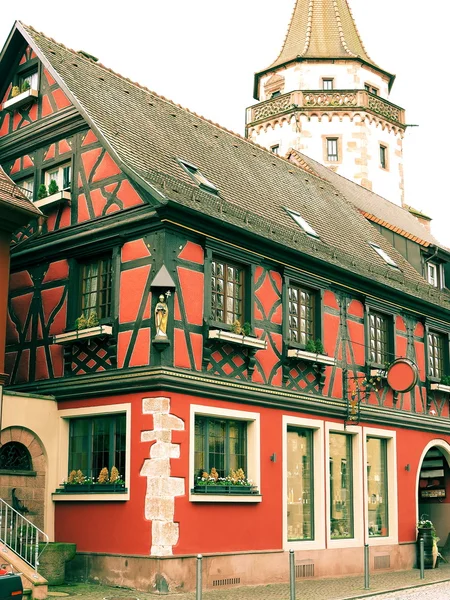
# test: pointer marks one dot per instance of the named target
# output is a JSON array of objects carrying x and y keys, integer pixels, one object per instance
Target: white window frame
[
  {"x": 253, "y": 451},
  {"x": 317, "y": 427},
  {"x": 59, "y": 178},
  {"x": 64, "y": 438},
  {"x": 391, "y": 469},
  {"x": 355, "y": 431},
  {"x": 384, "y": 255},
  {"x": 305, "y": 226}
]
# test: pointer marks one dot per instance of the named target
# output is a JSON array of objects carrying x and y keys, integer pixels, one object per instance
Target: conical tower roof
[{"x": 322, "y": 29}]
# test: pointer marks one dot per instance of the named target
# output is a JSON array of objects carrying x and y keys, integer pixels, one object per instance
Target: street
[{"x": 437, "y": 591}]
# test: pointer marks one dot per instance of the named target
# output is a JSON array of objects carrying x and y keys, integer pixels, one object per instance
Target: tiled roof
[
  {"x": 374, "y": 207},
  {"x": 12, "y": 196},
  {"x": 147, "y": 133},
  {"x": 322, "y": 29}
]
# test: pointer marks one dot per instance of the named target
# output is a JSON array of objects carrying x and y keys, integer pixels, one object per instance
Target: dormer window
[
  {"x": 387, "y": 259},
  {"x": 303, "y": 224},
  {"x": 198, "y": 177},
  {"x": 435, "y": 275}
]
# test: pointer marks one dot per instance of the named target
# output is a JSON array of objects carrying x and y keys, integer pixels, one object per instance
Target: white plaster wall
[
  {"x": 39, "y": 414},
  {"x": 359, "y": 149},
  {"x": 347, "y": 75}
]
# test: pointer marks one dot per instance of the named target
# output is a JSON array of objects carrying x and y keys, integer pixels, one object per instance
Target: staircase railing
[{"x": 21, "y": 535}]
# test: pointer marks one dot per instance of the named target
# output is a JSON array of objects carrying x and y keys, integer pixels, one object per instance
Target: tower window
[
  {"x": 383, "y": 156},
  {"x": 275, "y": 149},
  {"x": 332, "y": 149},
  {"x": 275, "y": 94},
  {"x": 371, "y": 89},
  {"x": 327, "y": 84}
]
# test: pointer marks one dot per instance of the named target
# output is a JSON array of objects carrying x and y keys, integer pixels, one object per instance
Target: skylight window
[
  {"x": 303, "y": 224},
  {"x": 197, "y": 176},
  {"x": 387, "y": 259}
]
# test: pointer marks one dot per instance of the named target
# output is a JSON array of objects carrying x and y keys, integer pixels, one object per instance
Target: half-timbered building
[{"x": 248, "y": 353}]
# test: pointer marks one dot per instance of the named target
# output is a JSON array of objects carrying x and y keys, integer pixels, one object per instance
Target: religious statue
[{"x": 161, "y": 317}]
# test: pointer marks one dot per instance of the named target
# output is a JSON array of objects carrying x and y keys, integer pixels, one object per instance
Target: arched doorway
[{"x": 433, "y": 487}]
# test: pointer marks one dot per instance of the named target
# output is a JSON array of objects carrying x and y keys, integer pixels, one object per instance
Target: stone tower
[{"x": 325, "y": 97}]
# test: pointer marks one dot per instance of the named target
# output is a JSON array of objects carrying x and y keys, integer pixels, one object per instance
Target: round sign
[{"x": 402, "y": 375}]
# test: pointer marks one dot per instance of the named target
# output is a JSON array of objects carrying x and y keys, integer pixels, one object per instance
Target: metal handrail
[{"x": 21, "y": 535}]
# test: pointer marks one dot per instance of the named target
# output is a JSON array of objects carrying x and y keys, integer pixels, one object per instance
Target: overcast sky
[{"x": 202, "y": 54}]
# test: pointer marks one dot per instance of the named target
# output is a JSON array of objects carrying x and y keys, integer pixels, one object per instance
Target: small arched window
[{"x": 14, "y": 456}]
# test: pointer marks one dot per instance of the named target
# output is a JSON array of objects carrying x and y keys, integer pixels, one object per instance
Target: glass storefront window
[
  {"x": 377, "y": 487},
  {"x": 300, "y": 509},
  {"x": 341, "y": 486}
]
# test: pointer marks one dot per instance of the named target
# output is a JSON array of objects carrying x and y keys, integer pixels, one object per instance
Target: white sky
[{"x": 202, "y": 54}]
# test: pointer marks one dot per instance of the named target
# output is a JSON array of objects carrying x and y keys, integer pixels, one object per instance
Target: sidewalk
[{"x": 318, "y": 589}]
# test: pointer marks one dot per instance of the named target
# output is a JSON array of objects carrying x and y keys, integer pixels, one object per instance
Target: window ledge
[
  {"x": 20, "y": 100},
  {"x": 236, "y": 338},
  {"x": 62, "y": 196},
  {"x": 89, "y": 491},
  {"x": 221, "y": 495},
  {"x": 90, "y": 496},
  {"x": 440, "y": 387},
  {"x": 321, "y": 359},
  {"x": 82, "y": 334}
]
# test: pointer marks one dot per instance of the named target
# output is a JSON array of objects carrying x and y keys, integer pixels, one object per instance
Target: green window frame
[
  {"x": 227, "y": 291},
  {"x": 97, "y": 442},
  {"x": 220, "y": 444},
  {"x": 302, "y": 314},
  {"x": 96, "y": 287},
  {"x": 377, "y": 487},
  {"x": 300, "y": 484},
  {"x": 436, "y": 354},
  {"x": 332, "y": 149},
  {"x": 341, "y": 486}
]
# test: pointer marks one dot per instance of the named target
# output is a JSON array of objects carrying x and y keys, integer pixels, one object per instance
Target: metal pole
[
  {"x": 198, "y": 592},
  {"x": 366, "y": 567},
  {"x": 291, "y": 575},
  {"x": 421, "y": 559}
]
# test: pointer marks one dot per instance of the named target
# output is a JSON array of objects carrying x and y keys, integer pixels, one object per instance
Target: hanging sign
[{"x": 402, "y": 375}]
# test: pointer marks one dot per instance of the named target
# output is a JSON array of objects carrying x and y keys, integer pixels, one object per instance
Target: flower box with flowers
[
  {"x": 78, "y": 483},
  {"x": 234, "y": 483}
]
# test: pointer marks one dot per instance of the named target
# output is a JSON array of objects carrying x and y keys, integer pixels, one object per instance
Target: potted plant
[
  {"x": 427, "y": 532},
  {"x": 235, "y": 483},
  {"x": 78, "y": 483}
]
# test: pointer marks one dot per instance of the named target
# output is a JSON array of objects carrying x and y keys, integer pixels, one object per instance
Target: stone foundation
[{"x": 161, "y": 575}]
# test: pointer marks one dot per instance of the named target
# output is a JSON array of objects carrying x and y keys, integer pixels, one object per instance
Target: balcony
[
  {"x": 20, "y": 100},
  {"x": 337, "y": 100}
]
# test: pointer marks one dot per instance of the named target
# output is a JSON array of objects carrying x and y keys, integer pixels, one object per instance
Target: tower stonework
[{"x": 325, "y": 97}]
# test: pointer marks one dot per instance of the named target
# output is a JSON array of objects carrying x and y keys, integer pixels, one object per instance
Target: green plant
[
  {"x": 246, "y": 328},
  {"x": 42, "y": 192},
  {"x": 445, "y": 380},
  {"x": 234, "y": 478},
  {"x": 15, "y": 91},
  {"x": 25, "y": 86},
  {"x": 81, "y": 322},
  {"x": 92, "y": 319},
  {"x": 310, "y": 346},
  {"x": 319, "y": 347},
  {"x": 53, "y": 187}
]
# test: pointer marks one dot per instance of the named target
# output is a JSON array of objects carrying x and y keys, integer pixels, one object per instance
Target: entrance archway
[{"x": 433, "y": 487}]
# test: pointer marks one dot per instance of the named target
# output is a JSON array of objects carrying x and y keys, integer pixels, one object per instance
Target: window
[
  {"x": 98, "y": 442},
  {"x": 301, "y": 221},
  {"x": 371, "y": 89},
  {"x": 275, "y": 149},
  {"x": 227, "y": 290},
  {"x": 436, "y": 354},
  {"x": 14, "y": 456},
  {"x": 275, "y": 94},
  {"x": 220, "y": 444},
  {"x": 96, "y": 287},
  {"x": 435, "y": 274},
  {"x": 300, "y": 500},
  {"x": 301, "y": 315},
  {"x": 61, "y": 175},
  {"x": 383, "y": 255},
  {"x": 27, "y": 187},
  {"x": 197, "y": 176},
  {"x": 377, "y": 482},
  {"x": 379, "y": 338},
  {"x": 383, "y": 156},
  {"x": 341, "y": 486},
  {"x": 327, "y": 84},
  {"x": 28, "y": 81},
  {"x": 332, "y": 149}
]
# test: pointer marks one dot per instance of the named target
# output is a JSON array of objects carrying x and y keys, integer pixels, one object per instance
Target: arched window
[{"x": 15, "y": 457}]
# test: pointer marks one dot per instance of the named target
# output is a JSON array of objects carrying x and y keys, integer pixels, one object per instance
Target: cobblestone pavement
[{"x": 344, "y": 588}]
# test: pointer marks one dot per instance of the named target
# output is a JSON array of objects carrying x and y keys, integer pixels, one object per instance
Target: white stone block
[
  {"x": 155, "y": 405},
  {"x": 164, "y": 450},
  {"x": 164, "y": 421},
  {"x": 156, "y": 467}
]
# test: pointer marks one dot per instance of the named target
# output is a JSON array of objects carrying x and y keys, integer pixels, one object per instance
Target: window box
[
  {"x": 440, "y": 387},
  {"x": 83, "y": 334},
  {"x": 92, "y": 488},
  {"x": 20, "y": 100},
  {"x": 62, "y": 196},
  {"x": 225, "y": 489},
  {"x": 321, "y": 359},
  {"x": 237, "y": 338}
]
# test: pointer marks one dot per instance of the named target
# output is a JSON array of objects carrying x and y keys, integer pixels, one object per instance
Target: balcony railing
[{"x": 310, "y": 100}]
